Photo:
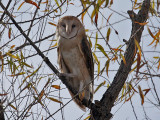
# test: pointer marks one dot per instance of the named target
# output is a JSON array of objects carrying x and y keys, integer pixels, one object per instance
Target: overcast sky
[{"x": 121, "y": 111}]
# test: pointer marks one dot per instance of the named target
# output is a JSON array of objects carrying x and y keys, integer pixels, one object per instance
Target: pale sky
[{"x": 122, "y": 111}]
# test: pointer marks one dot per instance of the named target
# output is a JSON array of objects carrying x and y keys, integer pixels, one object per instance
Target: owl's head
[{"x": 69, "y": 27}]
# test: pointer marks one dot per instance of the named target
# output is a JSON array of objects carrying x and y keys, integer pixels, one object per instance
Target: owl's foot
[{"x": 66, "y": 75}]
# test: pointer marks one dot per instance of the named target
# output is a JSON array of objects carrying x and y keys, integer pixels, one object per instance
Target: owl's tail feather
[{"x": 78, "y": 102}]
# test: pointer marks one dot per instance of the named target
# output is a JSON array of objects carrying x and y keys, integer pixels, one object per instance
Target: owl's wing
[{"x": 87, "y": 55}]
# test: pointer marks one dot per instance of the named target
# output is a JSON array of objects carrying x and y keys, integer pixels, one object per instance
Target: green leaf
[
  {"x": 96, "y": 40},
  {"x": 102, "y": 50},
  {"x": 95, "y": 57},
  {"x": 30, "y": 75},
  {"x": 107, "y": 1},
  {"x": 108, "y": 34},
  {"x": 26, "y": 65},
  {"x": 107, "y": 66},
  {"x": 58, "y": 5},
  {"x": 90, "y": 42},
  {"x": 99, "y": 86}
]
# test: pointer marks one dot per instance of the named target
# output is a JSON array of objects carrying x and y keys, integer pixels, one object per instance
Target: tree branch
[
  {"x": 1, "y": 111},
  {"x": 107, "y": 102}
]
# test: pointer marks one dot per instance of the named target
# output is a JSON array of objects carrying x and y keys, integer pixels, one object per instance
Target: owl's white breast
[{"x": 75, "y": 61}]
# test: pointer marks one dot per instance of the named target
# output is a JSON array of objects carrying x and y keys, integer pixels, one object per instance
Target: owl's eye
[
  {"x": 64, "y": 25},
  {"x": 73, "y": 26}
]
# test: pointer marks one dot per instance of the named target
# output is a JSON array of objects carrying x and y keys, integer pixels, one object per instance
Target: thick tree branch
[
  {"x": 107, "y": 102},
  {"x": 85, "y": 102}
]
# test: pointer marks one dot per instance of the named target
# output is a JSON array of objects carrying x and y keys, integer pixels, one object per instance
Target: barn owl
[{"x": 75, "y": 57}]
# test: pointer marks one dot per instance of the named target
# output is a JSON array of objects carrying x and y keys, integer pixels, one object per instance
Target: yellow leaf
[
  {"x": 83, "y": 14},
  {"x": 133, "y": 88},
  {"x": 87, "y": 117},
  {"x": 146, "y": 91},
  {"x": 12, "y": 46},
  {"x": 138, "y": 46},
  {"x": 33, "y": 3},
  {"x": 158, "y": 65},
  {"x": 71, "y": 3},
  {"x": 41, "y": 94},
  {"x": 141, "y": 95},
  {"x": 96, "y": 19},
  {"x": 3, "y": 94},
  {"x": 96, "y": 40},
  {"x": 12, "y": 56},
  {"x": 136, "y": 67},
  {"x": 156, "y": 57},
  {"x": 111, "y": 2},
  {"x": 90, "y": 42},
  {"x": 109, "y": 17},
  {"x": 21, "y": 73},
  {"x": 107, "y": 66},
  {"x": 58, "y": 5},
  {"x": 151, "y": 33},
  {"x": 54, "y": 45},
  {"x": 95, "y": 57},
  {"x": 130, "y": 96},
  {"x": 46, "y": 2},
  {"x": 13, "y": 106},
  {"x": 27, "y": 86},
  {"x": 20, "y": 5},
  {"x": 2, "y": 61},
  {"x": 55, "y": 100},
  {"x": 56, "y": 86},
  {"x": 107, "y": 1},
  {"x": 9, "y": 33},
  {"x": 116, "y": 49},
  {"x": 99, "y": 86},
  {"x": 46, "y": 10},
  {"x": 138, "y": 62},
  {"x": 135, "y": 2},
  {"x": 52, "y": 24},
  {"x": 93, "y": 14},
  {"x": 102, "y": 50},
  {"x": 30, "y": 75},
  {"x": 26, "y": 64},
  {"x": 115, "y": 58},
  {"x": 123, "y": 89},
  {"x": 86, "y": 30},
  {"x": 142, "y": 24},
  {"x": 99, "y": 68},
  {"x": 108, "y": 34}
]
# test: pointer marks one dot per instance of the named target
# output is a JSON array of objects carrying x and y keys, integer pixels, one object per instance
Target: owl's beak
[{"x": 68, "y": 30}]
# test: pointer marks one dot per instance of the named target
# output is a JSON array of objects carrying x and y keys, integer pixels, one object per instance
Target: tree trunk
[{"x": 104, "y": 106}]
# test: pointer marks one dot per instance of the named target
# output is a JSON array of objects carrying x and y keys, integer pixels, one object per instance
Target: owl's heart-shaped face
[{"x": 69, "y": 27}]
